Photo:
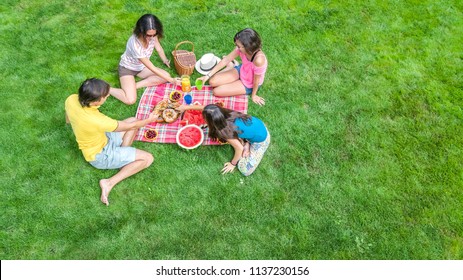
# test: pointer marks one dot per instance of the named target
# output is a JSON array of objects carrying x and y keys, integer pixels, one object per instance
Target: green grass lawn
[{"x": 363, "y": 101}]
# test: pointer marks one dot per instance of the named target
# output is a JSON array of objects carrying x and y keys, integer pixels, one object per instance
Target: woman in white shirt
[{"x": 135, "y": 61}]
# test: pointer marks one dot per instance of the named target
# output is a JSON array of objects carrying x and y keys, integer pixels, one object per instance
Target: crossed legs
[
  {"x": 128, "y": 91},
  {"x": 227, "y": 82}
]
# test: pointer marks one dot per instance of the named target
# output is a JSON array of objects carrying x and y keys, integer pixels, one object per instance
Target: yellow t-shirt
[{"x": 89, "y": 126}]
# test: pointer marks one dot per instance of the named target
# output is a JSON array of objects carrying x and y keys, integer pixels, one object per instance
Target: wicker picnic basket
[{"x": 184, "y": 60}]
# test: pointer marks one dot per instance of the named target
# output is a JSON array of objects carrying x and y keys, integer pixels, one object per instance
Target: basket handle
[{"x": 185, "y": 42}]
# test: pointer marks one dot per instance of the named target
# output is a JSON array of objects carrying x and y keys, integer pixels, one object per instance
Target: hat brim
[{"x": 201, "y": 71}]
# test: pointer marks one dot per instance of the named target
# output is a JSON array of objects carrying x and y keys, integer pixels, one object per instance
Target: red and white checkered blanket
[{"x": 167, "y": 132}]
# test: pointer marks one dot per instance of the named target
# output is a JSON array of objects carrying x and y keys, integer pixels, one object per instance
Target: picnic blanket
[{"x": 167, "y": 132}]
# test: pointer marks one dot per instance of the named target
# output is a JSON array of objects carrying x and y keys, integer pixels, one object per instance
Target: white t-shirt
[{"x": 133, "y": 51}]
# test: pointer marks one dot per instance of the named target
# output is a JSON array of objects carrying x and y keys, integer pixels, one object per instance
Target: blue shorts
[
  {"x": 248, "y": 90},
  {"x": 113, "y": 155}
]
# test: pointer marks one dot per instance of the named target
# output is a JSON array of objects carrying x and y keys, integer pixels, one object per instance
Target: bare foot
[{"x": 105, "y": 189}]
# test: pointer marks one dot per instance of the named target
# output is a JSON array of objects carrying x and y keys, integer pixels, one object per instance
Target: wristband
[{"x": 232, "y": 163}]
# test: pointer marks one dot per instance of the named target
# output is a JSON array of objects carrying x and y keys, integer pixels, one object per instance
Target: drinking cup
[
  {"x": 188, "y": 98},
  {"x": 186, "y": 85},
  {"x": 199, "y": 84}
]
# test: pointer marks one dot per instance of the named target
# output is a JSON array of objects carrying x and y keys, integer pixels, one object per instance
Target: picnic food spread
[
  {"x": 167, "y": 111},
  {"x": 158, "y": 98}
]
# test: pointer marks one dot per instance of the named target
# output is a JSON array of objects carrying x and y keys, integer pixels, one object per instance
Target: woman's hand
[
  {"x": 258, "y": 100},
  {"x": 228, "y": 168},
  {"x": 204, "y": 79},
  {"x": 176, "y": 81},
  {"x": 167, "y": 62}
]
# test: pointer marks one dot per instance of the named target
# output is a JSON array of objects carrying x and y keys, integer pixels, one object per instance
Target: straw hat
[{"x": 206, "y": 63}]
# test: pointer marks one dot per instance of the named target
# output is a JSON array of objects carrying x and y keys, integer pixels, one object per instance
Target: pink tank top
[{"x": 248, "y": 70}]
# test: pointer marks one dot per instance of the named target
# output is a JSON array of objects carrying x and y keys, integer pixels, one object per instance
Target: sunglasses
[{"x": 150, "y": 36}]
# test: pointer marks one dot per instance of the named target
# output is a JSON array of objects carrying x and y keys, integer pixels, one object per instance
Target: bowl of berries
[
  {"x": 151, "y": 134},
  {"x": 175, "y": 96}
]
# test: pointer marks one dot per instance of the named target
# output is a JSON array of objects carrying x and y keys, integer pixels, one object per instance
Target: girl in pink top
[
  {"x": 135, "y": 61},
  {"x": 245, "y": 78}
]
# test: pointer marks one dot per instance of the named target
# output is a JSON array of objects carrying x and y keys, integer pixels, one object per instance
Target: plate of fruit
[
  {"x": 190, "y": 137},
  {"x": 175, "y": 96},
  {"x": 151, "y": 134}
]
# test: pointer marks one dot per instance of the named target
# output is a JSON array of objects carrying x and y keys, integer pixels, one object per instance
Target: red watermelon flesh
[
  {"x": 194, "y": 117},
  {"x": 190, "y": 137}
]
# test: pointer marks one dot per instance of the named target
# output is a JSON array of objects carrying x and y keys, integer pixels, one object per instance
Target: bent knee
[
  {"x": 146, "y": 157},
  {"x": 218, "y": 92},
  {"x": 246, "y": 172},
  {"x": 213, "y": 82},
  {"x": 242, "y": 170},
  {"x": 130, "y": 101},
  {"x": 149, "y": 159}
]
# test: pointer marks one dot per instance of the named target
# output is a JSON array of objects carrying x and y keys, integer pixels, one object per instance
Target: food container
[{"x": 190, "y": 137}]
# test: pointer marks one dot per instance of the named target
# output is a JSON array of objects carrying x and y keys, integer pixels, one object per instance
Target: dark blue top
[{"x": 253, "y": 130}]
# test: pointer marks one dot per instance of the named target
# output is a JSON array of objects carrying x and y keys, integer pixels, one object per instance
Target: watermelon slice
[{"x": 194, "y": 117}]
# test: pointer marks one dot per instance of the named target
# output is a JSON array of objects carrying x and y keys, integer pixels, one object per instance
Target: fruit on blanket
[
  {"x": 194, "y": 117},
  {"x": 183, "y": 122},
  {"x": 151, "y": 134},
  {"x": 169, "y": 115},
  {"x": 190, "y": 137},
  {"x": 175, "y": 96}
]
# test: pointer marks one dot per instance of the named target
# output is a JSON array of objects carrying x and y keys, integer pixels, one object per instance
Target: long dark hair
[
  {"x": 148, "y": 22},
  {"x": 92, "y": 90},
  {"x": 250, "y": 39},
  {"x": 221, "y": 122}
]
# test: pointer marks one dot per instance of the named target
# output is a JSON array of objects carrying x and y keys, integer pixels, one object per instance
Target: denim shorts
[
  {"x": 248, "y": 90},
  {"x": 113, "y": 155}
]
